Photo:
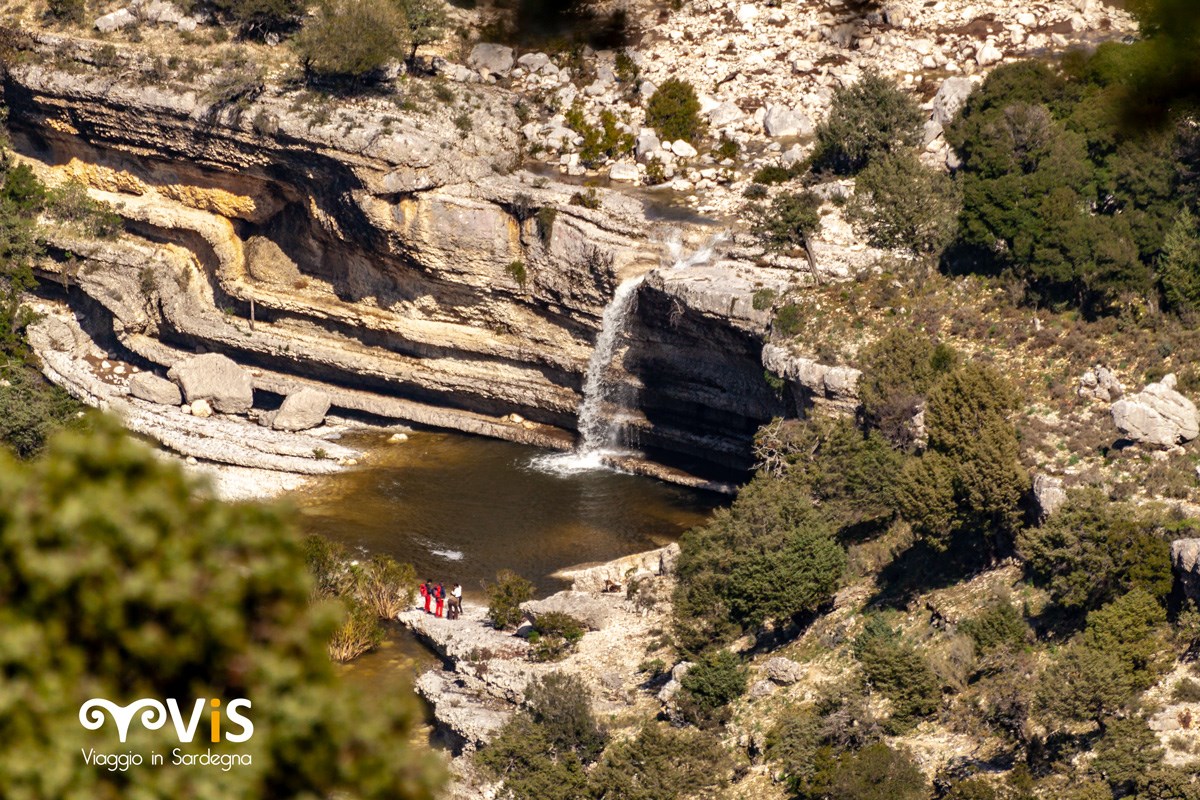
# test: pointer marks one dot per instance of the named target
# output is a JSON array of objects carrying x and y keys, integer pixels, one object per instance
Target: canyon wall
[{"x": 407, "y": 268}]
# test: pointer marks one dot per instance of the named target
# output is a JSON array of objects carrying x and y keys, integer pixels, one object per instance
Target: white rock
[
  {"x": 396, "y": 438},
  {"x": 682, "y": 149},
  {"x": 121, "y": 18},
  {"x": 724, "y": 114},
  {"x": 950, "y": 97},
  {"x": 988, "y": 55},
  {"x": 646, "y": 144},
  {"x": 202, "y": 409},
  {"x": 302, "y": 410},
  {"x": 779, "y": 121},
  {"x": 215, "y": 378},
  {"x": 1158, "y": 415},
  {"x": 747, "y": 13},
  {"x": 624, "y": 172},
  {"x": 494, "y": 59},
  {"x": 534, "y": 62},
  {"x": 148, "y": 386}
]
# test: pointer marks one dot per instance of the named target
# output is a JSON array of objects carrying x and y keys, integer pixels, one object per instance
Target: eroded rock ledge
[{"x": 399, "y": 268}]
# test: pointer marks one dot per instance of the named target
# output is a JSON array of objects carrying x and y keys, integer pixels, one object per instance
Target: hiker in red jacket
[
  {"x": 439, "y": 594},
  {"x": 427, "y": 593}
]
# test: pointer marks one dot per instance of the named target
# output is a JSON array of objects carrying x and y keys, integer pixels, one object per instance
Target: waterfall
[{"x": 600, "y": 432}]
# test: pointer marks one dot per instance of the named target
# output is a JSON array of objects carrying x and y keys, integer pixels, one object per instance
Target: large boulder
[
  {"x": 950, "y": 97},
  {"x": 301, "y": 410},
  {"x": 1157, "y": 415},
  {"x": 494, "y": 59},
  {"x": 647, "y": 144},
  {"x": 783, "y": 121},
  {"x": 725, "y": 114},
  {"x": 784, "y": 671},
  {"x": 592, "y": 611},
  {"x": 1099, "y": 383},
  {"x": 227, "y": 387},
  {"x": 151, "y": 388}
]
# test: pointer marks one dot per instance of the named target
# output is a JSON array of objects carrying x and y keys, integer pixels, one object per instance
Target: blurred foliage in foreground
[{"x": 118, "y": 581}]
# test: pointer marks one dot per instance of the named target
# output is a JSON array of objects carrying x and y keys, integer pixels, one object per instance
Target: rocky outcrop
[
  {"x": 1099, "y": 383},
  {"x": 592, "y": 612},
  {"x": 1185, "y": 558},
  {"x": 1157, "y": 415},
  {"x": 813, "y": 383},
  {"x": 361, "y": 261},
  {"x": 1048, "y": 495}
]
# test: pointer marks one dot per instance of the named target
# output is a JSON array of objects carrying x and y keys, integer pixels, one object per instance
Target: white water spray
[{"x": 600, "y": 432}]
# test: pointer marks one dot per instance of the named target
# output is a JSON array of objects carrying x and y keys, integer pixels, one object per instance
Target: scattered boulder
[
  {"x": 624, "y": 172},
  {"x": 725, "y": 114},
  {"x": 988, "y": 54},
  {"x": 302, "y": 410},
  {"x": 1048, "y": 495},
  {"x": 121, "y": 18},
  {"x": 151, "y": 388},
  {"x": 784, "y": 671},
  {"x": 201, "y": 409},
  {"x": 217, "y": 379},
  {"x": 1157, "y": 415},
  {"x": 783, "y": 121},
  {"x": 647, "y": 144},
  {"x": 1099, "y": 383},
  {"x": 494, "y": 59},
  {"x": 950, "y": 97},
  {"x": 682, "y": 149},
  {"x": 534, "y": 62},
  {"x": 587, "y": 608}
]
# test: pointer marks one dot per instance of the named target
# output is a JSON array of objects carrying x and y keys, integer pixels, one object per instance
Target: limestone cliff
[{"x": 411, "y": 271}]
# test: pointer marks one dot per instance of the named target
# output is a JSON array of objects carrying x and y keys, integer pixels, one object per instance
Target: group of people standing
[{"x": 434, "y": 594}]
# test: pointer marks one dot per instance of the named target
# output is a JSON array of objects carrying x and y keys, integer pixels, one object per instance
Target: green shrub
[
  {"x": 763, "y": 299},
  {"x": 505, "y": 597},
  {"x": 352, "y": 39},
  {"x": 900, "y": 203},
  {"x": 769, "y": 556},
  {"x": 866, "y": 121},
  {"x": 789, "y": 220},
  {"x": 516, "y": 271},
  {"x": 1132, "y": 628},
  {"x": 787, "y": 321},
  {"x": 772, "y": 174},
  {"x": 895, "y": 668},
  {"x": 970, "y": 479},
  {"x": 661, "y": 763},
  {"x": 124, "y": 580},
  {"x": 726, "y": 149},
  {"x": 1186, "y": 690},
  {"x": 1093, "y": 550},
  {"x": 898, "y": 372},
  {"x": 359, "y": 633},
  {"x": 554, "y": 635},
  {"x": 1125, "y": 754},
  {"x": 674, "y": 111},
  {"x": 792, "y": 743},
  {"x": 385, "y": 586},
  {"x": 876, "y": 772},
  {"x": 1084, "y": 685},
  {"x": 599, "y": 143},
  {"x": 998, "y": 625},
  {"x": 545, "y": 223},
  {"x": 1179, "y": 266},
  {"x": 34, "y": 409},
  {"x": 714, "y": 681},
  {"x": 589, "y": 199},
  {"x": 68, "y": 10},
  {"x": 755, "y": 191},
  {"x": 541, "y": 753}
]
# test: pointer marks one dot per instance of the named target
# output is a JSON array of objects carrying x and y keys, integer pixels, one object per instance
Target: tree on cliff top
[
  {"x": 118, "y": 581},
  {"x": 351, "y": 39}
]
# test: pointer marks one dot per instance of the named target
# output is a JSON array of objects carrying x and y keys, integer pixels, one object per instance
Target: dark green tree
[
  {"x": 661, "y": 763},
  {"x": 1093, "y": 550},
  {"x": 674, "y": 111},
  {"x": 867, "y": 120},
  {"x": 714, "y": 681},
  {"x": 353, "y": 39},
  {"x": 899, "y": 370},
  {"x": 900, "y": 203},
  {"x": 895, "y": 668},
  {"x": 876, "y": 772},
  {"x": 1179, "y": 267},
  {"x": 119, "y": 580}
]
